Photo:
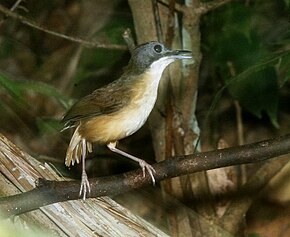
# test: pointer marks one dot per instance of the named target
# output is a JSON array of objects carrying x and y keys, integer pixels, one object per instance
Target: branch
[
  {"x": 48, "y": 192},
  {"x": 34, "y": 25},
  {"x": 15, "y": 5},
  {"x": 127, "y": 36}
]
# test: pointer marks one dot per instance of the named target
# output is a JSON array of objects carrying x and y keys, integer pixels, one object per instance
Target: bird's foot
[
  {"x": 146, "y": 167},
  {"x": 85, "y": 186}
]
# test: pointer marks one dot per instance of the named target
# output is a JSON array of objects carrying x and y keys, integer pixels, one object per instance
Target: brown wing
[{"x": 105, "y": 100}]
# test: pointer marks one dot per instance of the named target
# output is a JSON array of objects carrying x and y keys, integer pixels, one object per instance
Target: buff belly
[
  {"x": 126, "y": 121},
  {"x": 110, "y": 128}
]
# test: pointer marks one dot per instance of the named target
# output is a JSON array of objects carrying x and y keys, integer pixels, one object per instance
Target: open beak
[{"x": 179, "y": 54}]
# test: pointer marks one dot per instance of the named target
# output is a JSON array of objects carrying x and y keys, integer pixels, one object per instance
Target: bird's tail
[{"x": 78, "y": 146}]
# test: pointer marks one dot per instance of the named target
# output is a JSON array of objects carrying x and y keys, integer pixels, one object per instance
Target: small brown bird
[{"x": 119, "y": 109}]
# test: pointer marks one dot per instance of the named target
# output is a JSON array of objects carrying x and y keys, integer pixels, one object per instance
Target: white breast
[
  {"x": 141, "y": 106},
  {"x": 118, "y": 125},
  {"x": 144, "y": 101}
]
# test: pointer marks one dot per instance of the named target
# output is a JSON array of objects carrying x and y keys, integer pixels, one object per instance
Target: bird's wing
[{"x": 105, "y": 100}]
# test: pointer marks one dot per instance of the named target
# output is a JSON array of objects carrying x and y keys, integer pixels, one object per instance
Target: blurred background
[{"x": 243, "y": 88}]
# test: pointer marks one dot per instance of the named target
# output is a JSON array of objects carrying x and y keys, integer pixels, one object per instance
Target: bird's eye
[{"x": 158, "y": 48}]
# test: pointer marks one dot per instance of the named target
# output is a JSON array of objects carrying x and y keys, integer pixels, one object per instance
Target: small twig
[
  {"x": 15, "y": 5},
  {"x": 34, "y": 25},
  {"x": 127, "y": 36}
]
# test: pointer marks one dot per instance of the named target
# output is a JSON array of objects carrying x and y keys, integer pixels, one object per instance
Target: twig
[
  {"x": 48, "y": 192},
  {"x": 127, "y": 36},
  {"x": 15, "y": 5},
  {"x": 34, "y": 25}
]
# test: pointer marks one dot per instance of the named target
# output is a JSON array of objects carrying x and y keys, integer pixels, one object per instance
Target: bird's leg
[
  {"x": 85, "y": 185},
  {"x": 143, "y": 164}
]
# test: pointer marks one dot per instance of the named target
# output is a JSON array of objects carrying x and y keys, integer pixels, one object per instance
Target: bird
[{"x": 117, "y": 110}]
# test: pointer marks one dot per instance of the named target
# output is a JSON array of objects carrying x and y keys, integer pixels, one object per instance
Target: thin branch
[
  {"x": 127, "y": 36},
  {"x": 15, "y": 5},
  {"x": 35, "y": 25},
  {"x": 48, "y": 192}
]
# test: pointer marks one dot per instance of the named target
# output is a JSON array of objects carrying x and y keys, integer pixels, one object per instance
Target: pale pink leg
[
  {"x": 85, "y": 185},
  {"x": 143, "y": 164}
]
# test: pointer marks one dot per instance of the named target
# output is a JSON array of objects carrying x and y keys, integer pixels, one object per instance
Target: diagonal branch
[
  {"x": 15, "y": 5},
  {"x": 48, "y": 192},
  {"x": 35, "y": 25}
]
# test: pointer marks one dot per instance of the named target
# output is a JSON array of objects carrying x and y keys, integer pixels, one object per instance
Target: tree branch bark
[{"x": 48, "y": 192}]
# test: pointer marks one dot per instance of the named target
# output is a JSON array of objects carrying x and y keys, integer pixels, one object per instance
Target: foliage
[
  {"x": 245, "y": 49},
  {"x": 34, "y": 62},
  {"x": 16, "y": 88},
  {"x": 245, "y": 53}
]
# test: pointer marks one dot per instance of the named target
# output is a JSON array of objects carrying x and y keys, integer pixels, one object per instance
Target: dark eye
[{"x": 158, "y": 48}]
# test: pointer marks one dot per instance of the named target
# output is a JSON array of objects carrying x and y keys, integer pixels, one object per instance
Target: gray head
[{"x": 145, "y": 55}]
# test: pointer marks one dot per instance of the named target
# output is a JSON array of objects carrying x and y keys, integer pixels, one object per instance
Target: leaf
[
  {"x": 283, "y": 68},
  {"x": 264, "y": 65},
  {"x": 238, "y": 19},
  {"x": 48, "y": 125},
  {"x": 15, "y": 88},
  {"x": 287, "y": 3},
  {"x": 258, "y": 92},
  {"x": 9, "y": 86}
]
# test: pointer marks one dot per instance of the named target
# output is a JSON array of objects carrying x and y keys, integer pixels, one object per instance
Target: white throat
[{"x": 156, "y": 69}]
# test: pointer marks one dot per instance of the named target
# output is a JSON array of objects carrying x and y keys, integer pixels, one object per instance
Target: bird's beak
[{"x": 179, "y": 54}]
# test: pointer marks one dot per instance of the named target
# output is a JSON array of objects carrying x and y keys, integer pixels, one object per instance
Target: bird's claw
[
  {"x": 146, "y": 167},
  {"x": 85, "y": 186}
]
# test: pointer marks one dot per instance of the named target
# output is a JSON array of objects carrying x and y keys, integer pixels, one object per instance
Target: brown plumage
[{"x": 119, "y": 109}]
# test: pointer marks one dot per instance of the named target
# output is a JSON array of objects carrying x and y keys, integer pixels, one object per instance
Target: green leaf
[
  {"x": 283, "y": 68},
  {"x": 222, "y": 24},
  {"x": 9, "y": 86},
  {"x": 15, "y": 88},
  {"x": 258, "y": 93},
  {"x": 238, "y": 87},
  {"x": 48, "y": 125},
  {"x": 238, "y": 19},
  {"x": 287, "y": 3}
]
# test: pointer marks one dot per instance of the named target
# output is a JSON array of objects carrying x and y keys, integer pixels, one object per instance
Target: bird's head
[{"x": 154, "y": 54}]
